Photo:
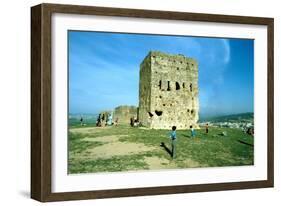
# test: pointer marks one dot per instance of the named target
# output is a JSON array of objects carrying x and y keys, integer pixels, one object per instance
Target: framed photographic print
[{"x": 129, "y": 102}]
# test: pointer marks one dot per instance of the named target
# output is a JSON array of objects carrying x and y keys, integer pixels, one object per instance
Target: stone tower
[{"x": 168, "y": 91}]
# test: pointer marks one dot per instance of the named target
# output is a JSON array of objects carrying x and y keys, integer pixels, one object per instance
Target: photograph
[
  {"x": 134, "y": 102},
  {"x": 140, "y": 102}
]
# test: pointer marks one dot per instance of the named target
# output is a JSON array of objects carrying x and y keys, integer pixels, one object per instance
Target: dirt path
[
  {"x": 112, "y": 146},
  {"x": 87, "y": 130},
  {"x": 104, "y": 139},
  {"x": 118, "y": 148}
]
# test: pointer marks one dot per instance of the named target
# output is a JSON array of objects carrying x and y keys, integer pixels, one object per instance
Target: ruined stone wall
[
  {"x": 168, "y": 91},
  {"x": 145, "y": 90},
  {"x": 124, "y": 113}
]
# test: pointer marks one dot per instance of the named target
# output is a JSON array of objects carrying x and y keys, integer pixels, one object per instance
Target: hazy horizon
[{"x": 200, "y": 116}]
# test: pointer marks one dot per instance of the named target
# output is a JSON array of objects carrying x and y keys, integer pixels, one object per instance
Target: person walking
[
  {"x": 173, "y": 137},
  {"x": 207, "y": 128},
  {"x": 81, "y": 120},
  {"x": 192, "y": 131},
  {"x": 98, "y": 122}
]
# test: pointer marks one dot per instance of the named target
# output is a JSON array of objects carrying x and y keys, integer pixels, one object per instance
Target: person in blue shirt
[
  {"x": 109, "y": 120},
  {"x": 192, "y": 131},
  {"x": 174, "y": 141}
]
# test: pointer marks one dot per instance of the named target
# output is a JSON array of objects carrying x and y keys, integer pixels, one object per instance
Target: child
[
  {"x": 192, "y": 131},
  {"x": 174, "y": 139}
]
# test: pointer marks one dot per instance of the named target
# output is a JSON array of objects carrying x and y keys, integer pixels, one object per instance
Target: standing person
[
  {"x": 136, "y": 122},
  {"x": 106, "y": 119},
  {"x": 192, "y": 131},
  {"x": 81, "y": 121},
  {"x": 98, "y": 121},
  {"x": 103, "y": 120},
  {"x": 207, "y": 128},
  {"x": 131, "y": 121},
  {"x": 109, "y": 120},
  {"x": 173, "y": 137}
]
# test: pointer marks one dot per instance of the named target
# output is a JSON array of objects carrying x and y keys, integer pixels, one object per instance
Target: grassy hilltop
[
  {"x": 124, "y": 148},
  {"x": 243, "y": 117}
]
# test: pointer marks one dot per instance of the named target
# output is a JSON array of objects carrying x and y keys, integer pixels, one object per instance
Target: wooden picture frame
[{"x": 41, "y": 116}]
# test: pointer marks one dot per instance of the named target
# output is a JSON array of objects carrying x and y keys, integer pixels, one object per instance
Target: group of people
[
  {"x": 105, "y": 120},
  {"x": 250, "y": 131},
  {"x": 134, "y": 122},
  {"x": 173, "y": 136}
]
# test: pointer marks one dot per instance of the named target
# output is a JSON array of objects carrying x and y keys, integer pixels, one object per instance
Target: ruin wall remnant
[{"x": 124, "y": 113}]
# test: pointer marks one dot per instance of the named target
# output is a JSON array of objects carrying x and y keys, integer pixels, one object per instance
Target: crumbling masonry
[{"x": 168, "y": 91}]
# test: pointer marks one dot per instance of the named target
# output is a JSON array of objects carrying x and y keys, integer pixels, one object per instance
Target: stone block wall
[
  {"x": 124, "y": 113},
  {"x": 168, "y": 91}
]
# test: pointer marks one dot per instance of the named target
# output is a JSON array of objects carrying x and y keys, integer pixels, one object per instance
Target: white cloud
[{"x": 226, "y": 45}]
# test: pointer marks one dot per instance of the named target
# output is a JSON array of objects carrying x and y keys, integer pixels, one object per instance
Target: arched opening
[
  {"x": 158, "y": 113},
  {"x": 177, "y": 86}
]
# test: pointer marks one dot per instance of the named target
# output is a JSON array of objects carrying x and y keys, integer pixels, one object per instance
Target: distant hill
[
  {"x": 74, "y": 119},
  {"x": 243, "y": 117}
]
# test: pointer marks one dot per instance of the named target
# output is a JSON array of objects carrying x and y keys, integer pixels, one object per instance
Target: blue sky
[{"x": 104, "y": 70}]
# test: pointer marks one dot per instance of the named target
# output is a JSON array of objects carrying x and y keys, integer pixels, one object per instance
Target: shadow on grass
[
  {"x": 188, "y": 136},
  {"x": 166, "y": 148},
  {"x": 245, "y": 143}
]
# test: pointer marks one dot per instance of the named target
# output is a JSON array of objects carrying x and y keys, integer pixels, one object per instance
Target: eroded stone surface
[
  {"x": 124, "y": 113},
  {"x": 168, "y": 93}
]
